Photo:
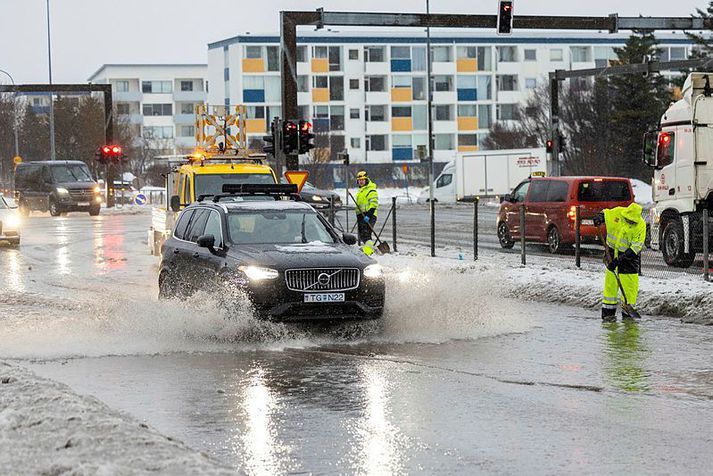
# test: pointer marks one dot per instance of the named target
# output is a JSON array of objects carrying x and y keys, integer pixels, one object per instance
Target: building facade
[
  {"x": 157, "y": 100},
  {"x": 367, "y": 94}
]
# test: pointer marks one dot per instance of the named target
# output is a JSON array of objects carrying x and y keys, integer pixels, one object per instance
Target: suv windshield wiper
[{"x": 304, "y": 238}]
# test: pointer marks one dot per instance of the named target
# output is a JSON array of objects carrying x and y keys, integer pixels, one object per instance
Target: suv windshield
[
  {"x": 63, "y": 173},
  {"x": 277, "y": 227},
  {"x": 604, "y": 191},
  {"x": 212, "y": 184}
]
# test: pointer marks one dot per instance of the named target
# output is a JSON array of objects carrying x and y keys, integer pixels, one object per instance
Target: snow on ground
[{"x": 46, "y": 428}]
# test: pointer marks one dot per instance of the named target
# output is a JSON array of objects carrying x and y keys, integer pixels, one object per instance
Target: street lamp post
[
  {"x": 49, "y": 59},
  {"x": 430, "y": 134}
]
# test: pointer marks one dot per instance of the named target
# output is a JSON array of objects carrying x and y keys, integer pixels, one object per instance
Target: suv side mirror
[
  {"x": 506, "y": 198},
  {"x": 206, "y": 241},
  {"x": 175, "y": 203},
  {"x": 349, "y": 239},
  {"x": 650, "y": 142}
]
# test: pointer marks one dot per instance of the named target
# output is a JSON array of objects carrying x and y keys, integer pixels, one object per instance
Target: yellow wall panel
[
  {"x": 467, "y": 148},
  {"x": 320, "y": 65},
  {"x": 401, "y": 124},
  {"x": 466, "y": 65},
  {"x": 254, "y": 126},
  {"x": 401, "y": 95},
  {"x": 253, "y": 65},
  {"x": 467, "y": 123},
  {"x": 320, "y": 95}
]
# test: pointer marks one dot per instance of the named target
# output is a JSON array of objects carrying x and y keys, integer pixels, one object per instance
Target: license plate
[
  {"x": 324, "y": 297},
  {"x": 587, "y": 222},
  {"x": 82, "y": 204}
]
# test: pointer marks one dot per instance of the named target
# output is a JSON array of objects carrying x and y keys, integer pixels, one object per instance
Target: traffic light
[
  {"x": 306, "y": 137},
  {"x": 549, "y": 145},
  {"x": 108, "y": 153},
  {"x": 272, "y": 140},
  {"x": 290, "y": 137},
  {"x": 504, "y": 17}
]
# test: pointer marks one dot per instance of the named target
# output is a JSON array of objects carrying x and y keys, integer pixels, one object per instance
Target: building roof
[
  {"x": 144, "y": 65},
  {"x": 413, "y": 35}
]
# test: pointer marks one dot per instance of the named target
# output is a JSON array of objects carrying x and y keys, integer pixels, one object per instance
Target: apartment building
[
  {"x": 367, "y": 93},
  {"x": 157, "y": 99}
]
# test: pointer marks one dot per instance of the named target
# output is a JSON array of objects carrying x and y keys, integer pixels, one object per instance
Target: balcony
[
  {"x": 184, "y": 119},
  {"x": 127, "y": 96},
  {"x": 189, "y": 96}
]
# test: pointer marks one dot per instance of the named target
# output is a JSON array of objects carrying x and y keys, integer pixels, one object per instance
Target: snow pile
[{"x": 45, "y": 428}]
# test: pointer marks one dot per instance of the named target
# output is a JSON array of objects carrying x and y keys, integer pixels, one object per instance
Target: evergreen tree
[{"x": 702, "y": 44}]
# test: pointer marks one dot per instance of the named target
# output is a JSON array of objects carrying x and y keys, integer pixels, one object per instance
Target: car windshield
[
  {"x": 6, "y": 202},
  {"x": 277, "y": 227},
  {"x": 212, "y": 184},
  {"x": 604, "y": 191},
  {"x": 63, "y": 173}
]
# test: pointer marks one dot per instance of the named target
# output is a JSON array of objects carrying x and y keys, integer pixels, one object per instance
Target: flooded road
[{"x": 456, "y": 379}]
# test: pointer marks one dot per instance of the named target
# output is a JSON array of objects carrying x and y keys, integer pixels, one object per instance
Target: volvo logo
[{"x": 323, "y": 279}]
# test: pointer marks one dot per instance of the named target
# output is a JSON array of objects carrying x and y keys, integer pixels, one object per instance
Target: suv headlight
[
  {"x": 316, "y": 198},
  {"x": 257, "y": 273},
  {"x": 62, "y": 191},
  {"x": 373, "y": 271},
  {"x": 97, "y": 189},
  {"x": 13, "y": 221}
]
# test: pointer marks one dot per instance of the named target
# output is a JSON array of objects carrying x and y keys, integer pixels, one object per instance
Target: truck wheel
[
  {"x": 54, "y": 208},
  {"x": 672, "y": 246},
  {"x": 554, "y": 240},
  {"x": 504, "y": 238}
]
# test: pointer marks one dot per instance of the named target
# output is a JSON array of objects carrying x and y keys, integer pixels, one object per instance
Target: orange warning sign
[{"x": 297, "y": 177}]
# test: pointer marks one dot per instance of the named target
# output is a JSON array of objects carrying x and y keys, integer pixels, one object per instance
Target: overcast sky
[{"x": 89, "y": 33}]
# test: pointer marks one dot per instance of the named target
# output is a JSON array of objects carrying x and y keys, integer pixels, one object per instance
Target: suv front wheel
[
  {"x": 504, "y": 237},
  {"x": 54, "y": 208}
]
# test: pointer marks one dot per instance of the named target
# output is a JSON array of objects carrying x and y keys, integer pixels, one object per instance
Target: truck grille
[
  {"x": 82, "y": 195},
  {"x": 322, "y": 279}
]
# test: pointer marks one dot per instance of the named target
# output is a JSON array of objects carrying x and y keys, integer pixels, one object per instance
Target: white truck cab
[{"x": 681, "y": 153}]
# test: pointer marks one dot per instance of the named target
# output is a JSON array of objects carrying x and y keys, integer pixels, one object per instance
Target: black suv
[
  {"x": 288, "y": 259},
  {"x": 58, "y": 186}
]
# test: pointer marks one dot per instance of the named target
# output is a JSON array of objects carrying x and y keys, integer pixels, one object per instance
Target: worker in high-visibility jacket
[
  {"x": 625, "y": 236},
  {"x": 367, "y": 206}
]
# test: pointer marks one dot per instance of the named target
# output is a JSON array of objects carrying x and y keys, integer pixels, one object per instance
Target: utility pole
[
  {"x": 432, "y": 209},
  {"x": 49, "y": 60}
]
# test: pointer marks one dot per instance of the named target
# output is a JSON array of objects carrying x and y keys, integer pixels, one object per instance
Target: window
[
  {"x": 485, "y": 60},
  {"x": 355, "y": 142},
  {"x": 353, "y": 113},
  {"x": 253, "y": 52},
  {"x": 187, "y": 108},
  {"x": 538, "y": 190},
  {"x": 467, "y": 140},
  {"x": 336, "y": 88},
  {"x": 466, "y": 52},
  {"x": 401, "y": 140},
  {"x": 556, "y": 54},
  {"x": 467, "y": 81},
  {"x": 581, "y": 54},
  {"x": 273, "y": 58},
  {"x": 507, "y": 112},
  {"x": 374, "y": 54},
  {"x": 443, "y": 83},
  {"x": 666, "y": 149},
  {"x": 302, "y": 54},
  {"x": 157, "y": 87},
  {"x": 418, "y": 91},
  {"x": 123, "y": 108},
  {"x": 677, "y": 53},
  {"x": 419, "y": 115},
  {"x": 256, "y": 112},
  {"x": 467, "y": 110},
  {"x": 187, "y": 131},
  {"x": 521, "y": 192},
  {"x": 320, "y": 112},
  {"x": 401, "y": 81},
  {"x": 443, "y": 113},
  {"x": 197, "y": 226},
  {"x": 320, "y": 52},
  {"x": 186, "y": 85},
  {"x": 213, "y": 227},
  {"x": 530, "y": 83},
  {"x": 507, "y": 54},
  {"x": 557, "y": 192},
  {"x": 444, "y": 180},
  {"x": 507, "y": 82},
  {"x": 158, "y": 109},
  {"x": 335, "y": 58},
  {"x": 158, "y": 132},
  {"x": 336, "y": 118},
  {"x": 320, "y": 82},
  {"x": 302, "y": 83},
  {"x": 604, "y": 54},
  {"x": 182, "y": 224},
  {"x": 353, "y": 54},
  {"x": 375, "y": 83},
  {"x": 418, "y": 58},
  {"x": 122, "y": 86},
  {"x": 485, "y": 117},
  {"x": 443, "y": 142},
  {"x": 272, "y": 89},
  {"x": 604, "y": 191},
  {"x": 401, "y": 52},
  {"x": 530, "y": 55},
  {"x": 354, "y": 84},
  {"x": 375, "y": 113},
  {"x": 485, "y": 90},
  {"x": 376, "y": 142},
  {"x": 441, "y": 54},
  {"x": 401, "y": 111}
]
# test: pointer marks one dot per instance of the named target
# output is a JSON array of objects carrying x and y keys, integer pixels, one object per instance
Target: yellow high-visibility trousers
[{"x": 611, "y": 295}]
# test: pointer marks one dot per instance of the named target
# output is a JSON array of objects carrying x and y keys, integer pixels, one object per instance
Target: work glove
[
  {"x": 598, "y": 219},
  {"x": 612, "y": 265},
  {"x": 366, "y": 219}
]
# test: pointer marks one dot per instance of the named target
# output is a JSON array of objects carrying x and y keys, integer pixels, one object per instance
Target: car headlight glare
[
  {"x": 97, "y": 189},
  {"x": 62, "y": 191},
  {"x": 258, "y": 273},
  {"x": 316, "y": 198},
  {"x": 13, "y": 221},
  {"x": 373, "y": 271}
]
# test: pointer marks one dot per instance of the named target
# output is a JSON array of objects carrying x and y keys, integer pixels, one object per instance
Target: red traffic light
[
  {"x": 548, "y": 145},
  {"x": 305, "y": 126},
  {"x": 290, "y": 126},
  {"x": 106, "y": 150},
  {"x": 116, "y": 150}
]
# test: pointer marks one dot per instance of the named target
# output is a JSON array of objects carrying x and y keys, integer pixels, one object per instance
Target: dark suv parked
[{"x": 57, "y": 187}]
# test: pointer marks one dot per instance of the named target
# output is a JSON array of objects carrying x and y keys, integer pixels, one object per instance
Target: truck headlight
[
  {"x": 62, "y": 191},
  {"x": 373, "y": 271},
  {"x": 258, "y": 273},
  {"x": 97, "y": 189}
]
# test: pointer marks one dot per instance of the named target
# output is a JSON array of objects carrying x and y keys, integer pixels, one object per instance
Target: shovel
[
  {"x": 626, "y": 307},
  {"x": 382, "y": 246}
]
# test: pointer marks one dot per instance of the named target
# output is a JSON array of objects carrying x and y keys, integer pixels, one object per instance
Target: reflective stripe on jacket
[
  {"x": 621, "y": 235},
  {"x": 367, "y": 199}
]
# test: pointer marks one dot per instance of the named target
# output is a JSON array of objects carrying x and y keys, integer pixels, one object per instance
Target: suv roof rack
[{"x": 277, "y": 191}]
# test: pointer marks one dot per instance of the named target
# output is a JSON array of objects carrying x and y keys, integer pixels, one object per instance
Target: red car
[{"x": 550, "y": 207}]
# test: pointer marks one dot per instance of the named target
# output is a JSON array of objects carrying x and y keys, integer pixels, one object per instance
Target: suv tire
[
  {"x": 54, "y": 208},
  {"x": 554, "y": 240},
  {"x": 506, "y": 241}
]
